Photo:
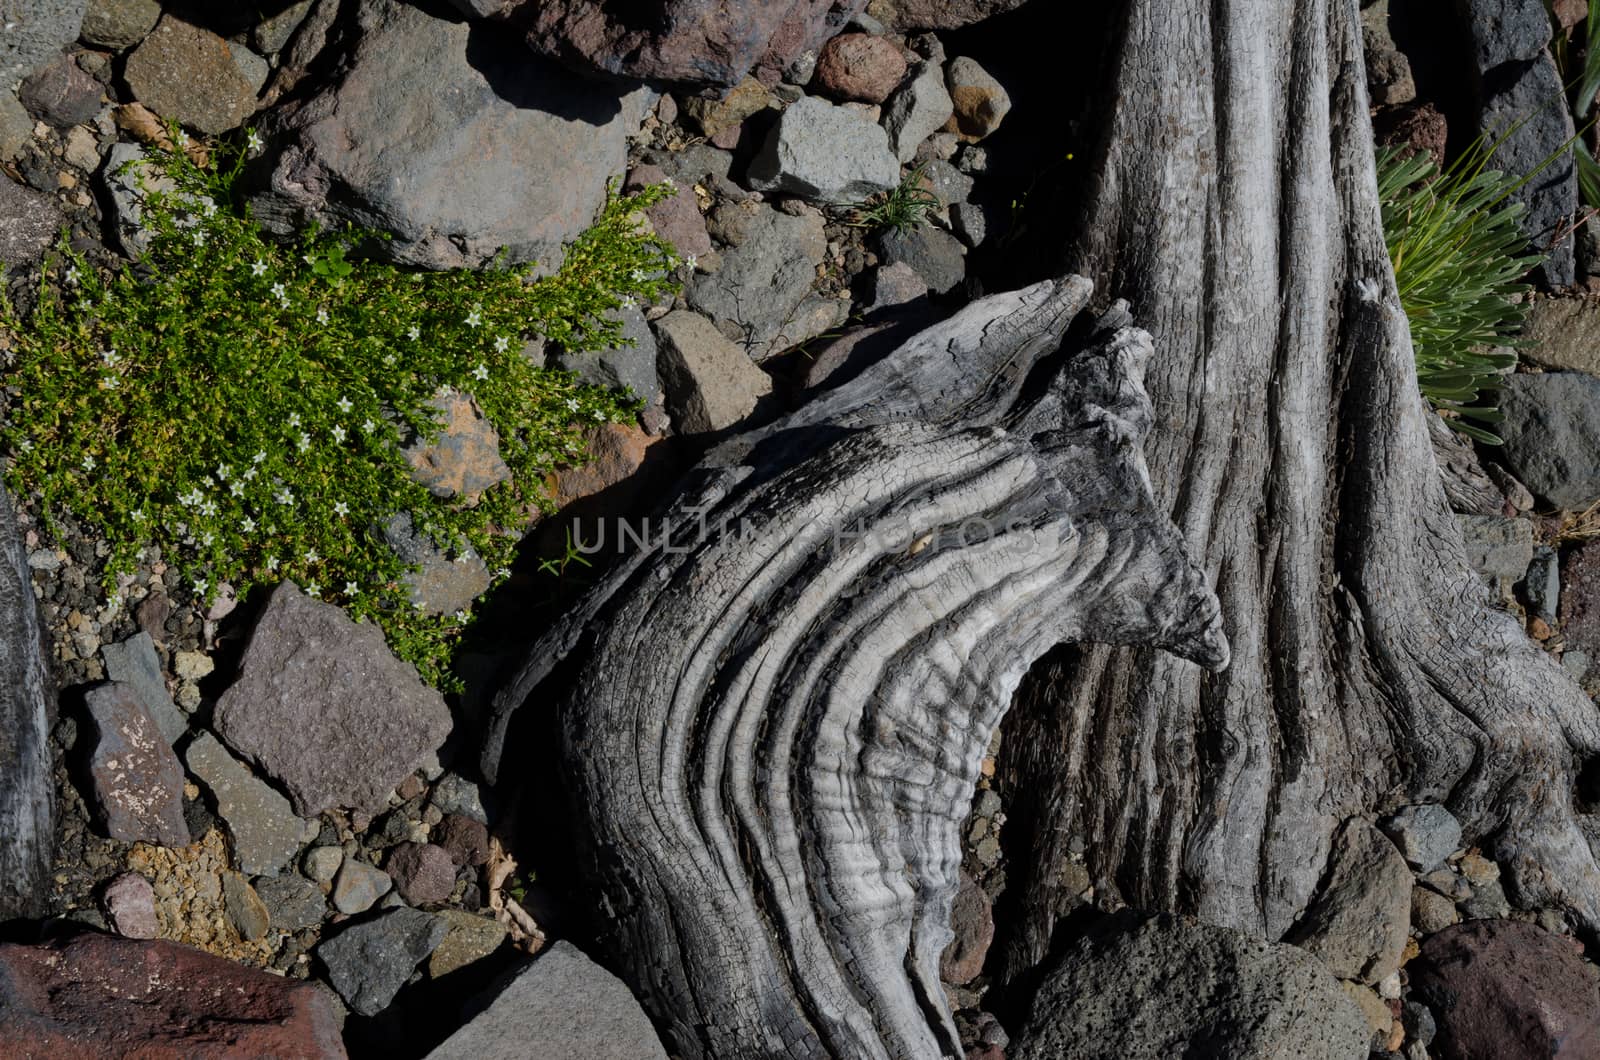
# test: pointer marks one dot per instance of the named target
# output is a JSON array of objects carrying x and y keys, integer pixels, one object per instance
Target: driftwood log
[
  {"x": 27, "y": 782},
  {"x": 771, "y": 734}
]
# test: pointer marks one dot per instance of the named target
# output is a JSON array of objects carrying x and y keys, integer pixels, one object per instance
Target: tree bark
[{"x": 772, "y": 734}]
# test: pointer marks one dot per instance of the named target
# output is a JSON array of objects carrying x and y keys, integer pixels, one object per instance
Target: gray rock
[
  {"x": 134, "y": 663},
  {"x": 29, "y": 222},
  {"x": 35, "y": 30},
  {"x": 274, "y": 31},
  {"x": 917, "y": 110},
  {"x": 937, "y": 256},
  {"x": 1542, "y": 583},
  {"x": 1151, "y": 989},
  {"x": 27, "y": 702},
  {"x": 711, "y": 384},
  {"x": 441, "y": 584},
  {"x": 191, "y": 75},
  {"x": 264, "y": 831},
  {"x": 503, "y": 150},
  {"x": 323, "y": 707},
  {"x": 1563, "y": 333},
  {"x": 628, "y": 367},
  {"x": 765, "y": 279},
  {"x": 470, "y": 938},
  {"x": 815, "y": 317},
  {"x": 1518, "y": 110},
  {"x": 129, "y": 903},
  {"x": 1426, "y": 835},
  {"x": 321, "y": 863},
  {"x": 478, "y": 8},
  {"x": 561, "y": 997},
  {"x": 1357, "y": 923},
  {"x": 245, "y": 909},
  {"x": 1505, "y": 31},
  {"x": 981, "y": 103},
  {"x": 825, "y": 153},
  {"x": 700, "y": 164},
  {"x": 1552, "y": 435},
  {"x": 971, "y": 223},
  {"x": 948, "y": 183},
  {"x": 61, "y": 94},
  {"x": 464, "y": 460},
  {"x": 893, "y": 285},
  {"x": 454, "y": 793},
  {"x": 1497, "y": 547},
  {"x": 119, "y": 24},
  {"x": 1577, "y": 663},
  {"x": 1432, "y": 911},
  {"x": 1488, "y": 902},
  {"x": 129, "y": 176},
  {"x": 369, "y": 962},
  {"x": 138, "y": 781},
  {"x": 292, "y": 903},
  {"x": 358, "y": 887},
  {"x": 1389, "y": 79},
  {"x": 16, "y": 129}
]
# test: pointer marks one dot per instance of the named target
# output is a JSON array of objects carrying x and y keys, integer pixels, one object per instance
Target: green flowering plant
[{"x": 243, "y": 405}]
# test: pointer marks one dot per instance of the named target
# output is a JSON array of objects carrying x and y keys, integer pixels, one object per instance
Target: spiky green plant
[
  {"x": 1459, "y": 254},
  {"x": 904, "y": 206}
]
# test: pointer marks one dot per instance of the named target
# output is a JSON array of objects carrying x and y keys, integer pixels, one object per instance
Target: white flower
[
  {"x": 278, "y": 291},
  {"x": 480, "y": 372},
  {"x": 502, "y": 572},
  {"x": 253, "y": 141},
  {"x": 349, "y": 588},
  {"x": 501, "y": 343},
  {"x": 313, "y": 589},
  {"x": 629, "y": 302},
  {"x": 26, "y": 445},
  {"x": 309, "y": 258},
  {"x": 182, "y": 138},
  {"x": 208, "y": 508},
  {"x": 260, "y": 269},
  {"x": 200, "y": 586},
  {"x": 669, "y": 182},
  {"x": 199, "y": 239},
  {"x": 638, "y": 276},
  {"x": 284, "y": 497},
  {"x": 138, "y": 515},
  {"x": 72, "y": 276},
  {"x": 340, "y": 508},
  {"x": 475, "y": 317},
  {"x": 223, "y": 472},
  {"x": 110, "y": 357},
  {"x": 247, "y": 524},
  {"x": 272, "y": 562},
  {"x": 108, "y": 382},
  {"x": 413, "y": 333},
  {"x": 599, "y": 415},
  {"x": 249, "y": 474},
  {"x": 338, "y": 433},
  {"x": 572, "y": 404},
  {"x": 304, "y": 443},
  {"x": 209, "y": 208},
  {"x": 322, "y": 316},
  {"x": 88, "y": 462},
  {"x": 237, "y": 489},
  {"x": 310, "y": 557},
  {"x": 690, "y": 260},
  {"x": 206, "y": 539},
  {"x": 294, "y": 421},
  {"x": 259, "y": 457},
  {"x": 388, "y": 360},
  {"x": 344, "y": 404},
  {"x": 367, "y": 426},
  {"x": 461, "y": 617},
  {"x": 190, "y": 499}
]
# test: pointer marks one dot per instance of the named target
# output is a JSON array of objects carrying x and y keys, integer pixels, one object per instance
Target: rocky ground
[{"x": 261, "y": 782}]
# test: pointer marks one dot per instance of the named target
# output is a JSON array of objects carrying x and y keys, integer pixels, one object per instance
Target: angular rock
[
  {"x": 464, "y": 460},
  {"x": 676, "y": 218},
  {"x": 1389, "y": 79},
  {"x": 1542, "y": 584},
  {"x": 1162, "y": 987},
  {"x": 130, "y": 906},
  {"x": 627, "y": 367},
  {"x": 717, "y": 114},
  {"x": 465, "y": 840},
  {"x": 262, "y": 827},
  {"x": 128, "y": 178},
  {"x": 905, "y": 15},
  {"x": 134, "y": 664},
  {"x": 919, "y": 109},
  {"x": 61, "y": 94},
  {"x": 323, "y": 707},
  {"x": 454, "y": 793},
  {"x": 711, "y": 384},
  {"x": 972, "y": 921},
  {"x": 321, "y": 863},
  {"x": 273, "y": 32},
  {"x": 503, "y": 150},
  {"x": 1563, "y": 334},
  {"x": 1580, "y": 599},
  {"x": 1505, "y": 989},
  {"x": 1414, "y": 128},
  {"x": 972, "y": 223},
  {"x": 16, "y": 129},
  {"x": 1357, "y": 923},
  {"x": 369, "y": 962},
  {"x": 1552, "y": 435},
  {"x": 1431, "y": 911},
  {"x": 561, "y": 997},
  {"x": 358, "y": 886},
  {"x": 1497, "y": 547},
  {"x": 1516, "y": 113},
  {"x": 1488, "y": 902},
  {"x": 615, "y": 452},
  {"x": 119, "y": 24},
  {"x": 245, "y": 909},
  {"x": 1505, "y": 31},
  {"x": 441, "y": 584},
  {"x": 138, "y": 781},
  {"x": 292, "y": 903},
  {"x": 981, "y": 103},
  {"x": 98, "y": 996},
  {"x": 1426, "y": 835},
  {"x": 423, "y": 873},
  {"x": 860, "y": 67},
  {"x": 694, "y": 43},
  {"x": 29, "y": 222},
  {"x": 763, "y": 281},
  {"x": 35, "y": 30},
  {"x": 895, "y": 285},
  {"x": 825, "y": 153},
  {"x": 1380, "y": 1021},
  {"x": 191, "y": 75},
  {"x": 935, "y": 255},
  {"x": 27, "y": 699},
  {"x": 469, "y": 938}
]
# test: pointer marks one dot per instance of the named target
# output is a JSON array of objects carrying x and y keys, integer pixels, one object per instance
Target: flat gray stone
[
  {"x": 138, "y": 781},
  {"x": 765, "y": 279},
  {"x": 1505, "y": 31},
  {"x": 129, "y": 176},
  {"x": 245, "y": 909},
  {"x": 916, "y": 111},
  {"x": 29, "y": 222},
  {"x": 1497, "y": 547},
  {"x": 561, "y": 997},
  {"x": 1163, "y": 987},
  {"x": 191, "y": 75},
  {"x": 274, "y": 31},
  {"x": 1542, "y": 583},
  {"x": 134, "y": 663},
  {"x": 441, "y": 583},
  {"x": 61, "y": 94},
  {"x": 263, "y": 829},
  {"x": 1426, "y": 835},
  {"x": 711, "y": 384},
  {"x": 324, "y": 709},
  {"x": 935, "y": 255},
  {"x": 825, "y": 153},
  {"x": 16, "y": 126},
  {"x": 1552, "y": 435},
  {"x": 1563, "y": 334},
  {"x": 358, "y": 886},
  {"x": 35, "y": 30},
  {"x": 1357, "y": 924},
  {"x": 626, "y": 367},
  {"x": 119, "y": 24},
  {"x": 504, "y": 149},
  {"x": 369, "y": 962},
  {"x": 1517, "y": 115},
  {"x": 292, "y": 902}
]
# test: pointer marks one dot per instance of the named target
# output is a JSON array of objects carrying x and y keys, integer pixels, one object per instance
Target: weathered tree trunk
[{"x": 772, "y": 733}]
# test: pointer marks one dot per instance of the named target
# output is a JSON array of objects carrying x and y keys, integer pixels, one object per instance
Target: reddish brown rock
[
  {"x": 698, "y": 43},
  {"x": 138, "y": 781},
  {"x": 1418, "y": 128},
  {"x": 465, "y": 840},
  {"x": 1580, "y": 599},
  {"x": 615, "y": 451},
  {"x": 95, "y": 996},
  {"x": 859, "y": 66},
  {"x": 941, "y": 14},
  {"x": 130, "y": 907},
  {"x": 676, "y": 219},
  {"x": 464, "y": 460},
  {"x": 973, "y": 922},
  {"x": 193, "y": 76},
  {"x": 423, "y": 873},
  {"x": 1501, "y": 988}
]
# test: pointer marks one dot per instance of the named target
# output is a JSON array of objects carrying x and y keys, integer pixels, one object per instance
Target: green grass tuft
[{"x": 900, "y": 208}]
